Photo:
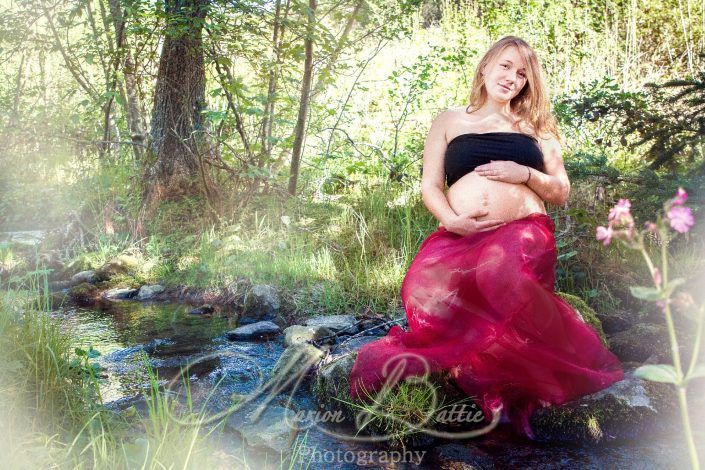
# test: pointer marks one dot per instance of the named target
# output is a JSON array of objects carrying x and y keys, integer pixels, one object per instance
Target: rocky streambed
[{"x": 280, "y": 383}]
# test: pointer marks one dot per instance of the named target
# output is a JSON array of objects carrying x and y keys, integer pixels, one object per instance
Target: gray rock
[
  {"x": 205, "y": 309},
  {"x": 628, "y": 409},
  {"x": 333, "y": 381},
  {"x": 296, "y": 360},
  {"x": 616, "y": 321},
  {"x": 147, "y": 292},
  {"x": 120, "y": 293},
  {"x": 336, "y": 323},
  {"x": 640, "y": 342},
  {"x": 300, "y": 334},
  {"x": 332, "y": 378},
  {"x": 261, "y": 303},
  {"x": 274, "y": 428},
  {"x": 375, "y": 326},
  {"x": 348, "y": 346},
  {"x": 25, "y": 238},
  {"x": 257, "y": 330},
  {"x": 84, "y": 276}
]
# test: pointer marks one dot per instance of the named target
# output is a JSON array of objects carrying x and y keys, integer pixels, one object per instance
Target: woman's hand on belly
[
  {"x": 504, "y": 170},
  {"x": 501, "y": 200},
  {"x": 466, "y": 223}
]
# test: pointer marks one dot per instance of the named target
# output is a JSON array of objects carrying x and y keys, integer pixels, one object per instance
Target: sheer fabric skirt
[{"x": 483, "y": 308}]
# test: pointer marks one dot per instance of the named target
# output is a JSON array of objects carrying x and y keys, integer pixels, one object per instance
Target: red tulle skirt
[{"x": 483, "y": 308}]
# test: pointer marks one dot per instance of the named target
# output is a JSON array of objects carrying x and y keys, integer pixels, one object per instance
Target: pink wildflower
[
  {"x": 604, "y": 233},
  {"x": 620, "y": 211},
  {"x": 651, "y": 227},
  {"x": 681, "y": 197},
  {"x": 680, "y": 218}
]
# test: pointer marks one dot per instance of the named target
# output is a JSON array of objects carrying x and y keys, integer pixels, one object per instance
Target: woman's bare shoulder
[
  {"x": 458, "y": 111},
  {"x": 454, "y": 117},
  {"x": 447, "y": 119},
  {"x": 451, "y": 113}
]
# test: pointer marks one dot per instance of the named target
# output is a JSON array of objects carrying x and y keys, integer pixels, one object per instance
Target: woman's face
[{"x": 506, "y": 76}]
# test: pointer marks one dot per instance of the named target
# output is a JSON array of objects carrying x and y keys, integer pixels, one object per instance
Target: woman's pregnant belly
[{"x": 504, "y": 201}]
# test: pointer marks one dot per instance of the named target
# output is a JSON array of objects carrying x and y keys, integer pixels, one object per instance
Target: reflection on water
[{"x": 128, "y": 333}]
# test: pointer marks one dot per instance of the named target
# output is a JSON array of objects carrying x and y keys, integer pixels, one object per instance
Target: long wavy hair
[{"x": 532, "y": 104}]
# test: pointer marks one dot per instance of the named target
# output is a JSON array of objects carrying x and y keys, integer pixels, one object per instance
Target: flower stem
[
  {"x": 692, "y": 450},
  {"x": 698, "y": 340},
  {"x": 675, "y": 352}
]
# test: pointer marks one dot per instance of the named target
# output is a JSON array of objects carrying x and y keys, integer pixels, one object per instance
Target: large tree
[
  {"x": 176, "y": 138},
  {"x": 300, "y": 129}
]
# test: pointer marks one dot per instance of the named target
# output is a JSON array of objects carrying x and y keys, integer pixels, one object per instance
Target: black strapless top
[{"x": 467, "y": 151}]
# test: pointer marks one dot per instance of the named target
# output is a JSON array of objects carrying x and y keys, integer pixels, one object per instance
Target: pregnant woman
[{"x": 479, "y": 295}]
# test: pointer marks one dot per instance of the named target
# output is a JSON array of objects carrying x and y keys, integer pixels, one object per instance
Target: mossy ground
[{"x": 587, "y": 313}]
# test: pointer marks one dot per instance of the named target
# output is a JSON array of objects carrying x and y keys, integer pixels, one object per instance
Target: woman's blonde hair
[{"x": 532, "y": 104}]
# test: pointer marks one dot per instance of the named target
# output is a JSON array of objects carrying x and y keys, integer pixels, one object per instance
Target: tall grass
[
  {"x": 333, "y": 256},
  {"x": 350, "y": 252},
  {"x": 51, "y": 411}
]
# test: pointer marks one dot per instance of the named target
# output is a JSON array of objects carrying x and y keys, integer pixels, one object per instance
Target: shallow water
[{"x": 129, "y": 333}]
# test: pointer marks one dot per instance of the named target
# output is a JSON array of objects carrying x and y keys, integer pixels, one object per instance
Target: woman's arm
[
  {"x": 433, "y": 183},
  {"x": 433, "y": 174},
  {"x": 552, "y": 186}
]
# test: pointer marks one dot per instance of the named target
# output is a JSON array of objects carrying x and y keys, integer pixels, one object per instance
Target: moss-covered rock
[
  {"x": 119, "y": 293},
  {"x": 296, "y": 360},
  {"x": 84, "y": 293},
  {"x": 296, "y": 334},
  {"x": 123, "y": 264},
  {"x": 626, "y": 410},
  {"x": 83, "y": 276},
  {"x": 332, "y": 385},
  {"x": 586, "y": 313},
  {"x": 80, "y": 263}
]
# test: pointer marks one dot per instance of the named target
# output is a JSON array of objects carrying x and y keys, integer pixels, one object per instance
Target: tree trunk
[
  {"x": 179, "y": 99},
  {"x": 300, "y": 129},
  {"x": 129, "y": 94},
  {"x": 15, "y": 114},
  {"x": 339, "y": 46},
  {"x": 277, "y": 44}
]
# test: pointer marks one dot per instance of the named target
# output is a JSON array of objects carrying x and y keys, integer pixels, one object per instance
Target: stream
[{"x": 128, "y": 333}]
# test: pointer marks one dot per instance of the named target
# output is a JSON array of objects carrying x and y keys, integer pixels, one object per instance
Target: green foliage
[
  {"x": 42, "y": 375},
  {"x": 332, "y": 256},
  {"x": 669, "y": 124}
]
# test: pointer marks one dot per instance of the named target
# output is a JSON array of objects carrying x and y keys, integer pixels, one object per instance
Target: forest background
[
  {"x": 281, "y": 141},
  {"x": 215, "y": 144}
]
